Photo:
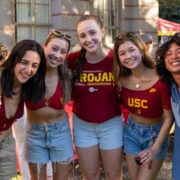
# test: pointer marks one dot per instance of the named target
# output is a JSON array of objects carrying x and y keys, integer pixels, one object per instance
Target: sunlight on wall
[
  {"x": 86, "y": 12},
  {"x": 108, "y": 42},
  {"x": 75, "y": 10}
]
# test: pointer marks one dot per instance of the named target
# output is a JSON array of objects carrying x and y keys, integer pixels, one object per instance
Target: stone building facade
[{"x": 32, "y": 19}]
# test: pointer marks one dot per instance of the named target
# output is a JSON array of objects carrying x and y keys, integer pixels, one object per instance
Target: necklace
[{"x": 137, "y": 85}]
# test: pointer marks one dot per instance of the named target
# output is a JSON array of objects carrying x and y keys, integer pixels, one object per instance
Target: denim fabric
[
  {"x": 107, "y": 135},
  {"x": 52, "y": 142},
  {"x": 137, "y": 138},
  {"x": 175, "y": 103},
  {"x": 176, "y": 154}
]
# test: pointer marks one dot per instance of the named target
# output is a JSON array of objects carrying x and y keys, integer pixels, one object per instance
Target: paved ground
[{"x": 164, "y": 174}]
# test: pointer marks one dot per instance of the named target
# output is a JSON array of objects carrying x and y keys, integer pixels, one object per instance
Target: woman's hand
[{"x": 147, "y": 155}]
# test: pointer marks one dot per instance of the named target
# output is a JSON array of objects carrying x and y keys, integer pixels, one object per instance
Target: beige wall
[
  {"x": 65, "y": 14},
  {"x": 6, "y": 23},
  {"x": 134, "y": 15},
  {"x": 140, "y": 16}
]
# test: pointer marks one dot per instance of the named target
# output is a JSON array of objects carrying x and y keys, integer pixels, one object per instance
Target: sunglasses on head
[
  {"x": 128, "y": 34},
  {"x": 60, "y": 34}
]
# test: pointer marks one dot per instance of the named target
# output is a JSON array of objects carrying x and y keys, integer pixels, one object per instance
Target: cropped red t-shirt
[
  {"x": 94, "y": 94},
  {"x": 147, "y": 103},
  {"x": 6, "y": 123},
  {"x": 55, "y": 102}
]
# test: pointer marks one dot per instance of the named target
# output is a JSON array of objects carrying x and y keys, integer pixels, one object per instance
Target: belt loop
[
  {"x": 151, "y": 132},
  {"x": 133, "y": 124}
]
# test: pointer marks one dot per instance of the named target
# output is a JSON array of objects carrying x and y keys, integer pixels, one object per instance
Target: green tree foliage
[{"x": 170, "y": 10}]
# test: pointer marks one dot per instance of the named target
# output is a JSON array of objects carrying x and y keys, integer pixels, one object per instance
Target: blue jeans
[
  {"x": 138, "y": 137},
  {"x": 108, "y": 135},
  {"x": 52, "y": 142}
]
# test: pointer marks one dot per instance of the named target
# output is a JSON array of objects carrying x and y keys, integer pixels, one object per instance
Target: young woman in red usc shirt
[{"x": 148, "y": 100}]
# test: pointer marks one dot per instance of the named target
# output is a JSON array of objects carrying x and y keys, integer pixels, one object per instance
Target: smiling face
[
  {"x": 172, "y": 59},
  {"x": 56, "y": 51},
  {"x": 129, "y": 55},
  {"x": 90, "y": 35},
  {"x": 27, "y": 67}
]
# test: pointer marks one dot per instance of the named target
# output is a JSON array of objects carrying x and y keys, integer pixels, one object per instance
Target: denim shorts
[
  {"x": 8, "y": 161},
  {"x": 107, "y": 135},
  {"x": 52, "y": 142},
  {"x": 138, "y": 137}
]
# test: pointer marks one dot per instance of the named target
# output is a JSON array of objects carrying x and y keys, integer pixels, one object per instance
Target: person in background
[
  {"x": 4, "y": 53},
  {"x": 47, "y": 132},
  {"x": 22, "y": 78},
  {"x": 97, "y": 120},
  {"x": 148, "y": 100},
  {"x": 168, "y": 67},
  {"x": 148, "y": 40}
]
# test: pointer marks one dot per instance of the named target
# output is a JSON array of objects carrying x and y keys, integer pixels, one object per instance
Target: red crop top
[
  {"x": 147, "y": 103},
  {"x": 54, "y": 102},
  {"x": 6, "y": 123},
  {"x": 94, "y": 94}
]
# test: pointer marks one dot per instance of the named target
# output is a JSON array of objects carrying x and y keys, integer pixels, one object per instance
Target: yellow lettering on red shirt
[
  {"x": 111, "y": 77},
  {"x": 98, "y": 78},
  {"x": 135, "y": 102},
  {"x": 83, "y": 77},
  {"x": 143, "y": 104},
  {"x": 104, "y": 77},
  {"x": 90, "y": 77},
  {"x": 130, "y": 102}
]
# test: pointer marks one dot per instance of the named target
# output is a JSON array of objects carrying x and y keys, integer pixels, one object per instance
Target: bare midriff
[
  {"x": 5, "y": 133},
  {"x": 144, "y": 121}
]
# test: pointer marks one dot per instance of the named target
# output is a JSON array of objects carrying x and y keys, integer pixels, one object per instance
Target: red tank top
[
  {"x": 6, "y": 123},
  {"x": 94, "y": 94},
  {"x": 54, "y": 102},
  {"x": 147, "y": 103}
]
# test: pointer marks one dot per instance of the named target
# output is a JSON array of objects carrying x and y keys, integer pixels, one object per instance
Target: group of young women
[{"x": 100, "y": 81}]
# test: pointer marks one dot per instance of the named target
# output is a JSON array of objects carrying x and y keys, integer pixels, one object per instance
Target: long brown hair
[
  {"x": 118, "y": 69},
  {"x": 81, "y": 58}
]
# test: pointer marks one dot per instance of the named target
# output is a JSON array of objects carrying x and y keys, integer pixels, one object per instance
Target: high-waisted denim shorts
[
  {"x": 52, "y": 142},
  {"x": 107, "y": 135},
  {"x": 138, "y": 137}
]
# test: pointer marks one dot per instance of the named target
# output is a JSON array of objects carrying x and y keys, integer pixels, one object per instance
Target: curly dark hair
[
  {"x": 34, "y": 89},
  {"x": 160, "y": 58}
]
